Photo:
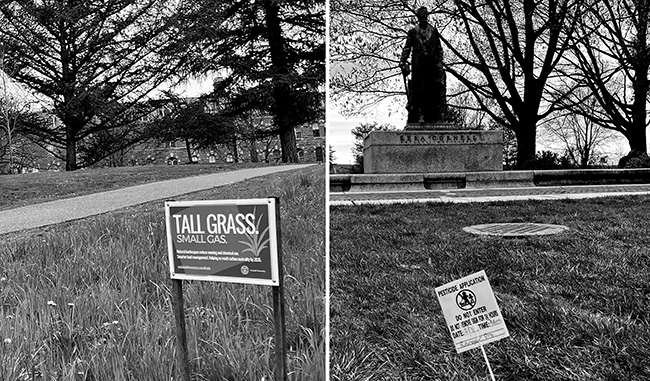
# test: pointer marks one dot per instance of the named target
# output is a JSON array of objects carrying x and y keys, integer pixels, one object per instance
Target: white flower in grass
[
  {"x": 51, "y": 303},
  {"x": 106, "y": 324},
  {"x": 7, "y": 341},
  {"x": 70, "y": 304},
  {"x": 3, "y": 279},
  {"x": 115, "y": 322}
]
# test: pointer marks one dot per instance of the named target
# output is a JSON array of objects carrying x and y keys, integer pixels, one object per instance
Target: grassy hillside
[
  {"x": 90, "y": 299},
  {"x": 576, "y": 304}
]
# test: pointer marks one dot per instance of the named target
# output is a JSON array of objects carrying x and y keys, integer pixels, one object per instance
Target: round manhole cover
[{"x": 515, "y": 229}]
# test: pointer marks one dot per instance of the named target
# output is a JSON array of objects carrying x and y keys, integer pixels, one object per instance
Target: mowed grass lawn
[
  {"x": 31, "y": 188},
  {"x": 90, "y": 299},
  {"x": 577, "y": 304}
]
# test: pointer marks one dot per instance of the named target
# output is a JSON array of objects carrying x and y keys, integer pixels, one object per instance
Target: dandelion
[
  {"x": 51, "y": 303},
  {"x": 7, "y": 341},
  {"x": 3, "y": 279},
  {"x": 115, "y": 322},
  {"x": 106, "y": 324}
]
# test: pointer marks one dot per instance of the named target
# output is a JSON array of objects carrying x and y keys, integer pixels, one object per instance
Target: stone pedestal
[{"x": 433, "y": 148}]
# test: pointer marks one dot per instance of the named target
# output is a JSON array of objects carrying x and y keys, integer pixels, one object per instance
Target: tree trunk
[
  {"x": 253, "y": 151},
  {"x": 526, "y": 147},
  {"x": 637, "y": 136},
  {"x": 70, "y": 149},
  {"x": 288, "y": 144},
  {"x": 235, "y": 151},
  {"x": 9, "y": 132},
  {"x": 281, "y": 89},
  {"x": 189, "y": 151},
  {"x": 637, "y": 140},
  {"x": 584, "y": 161}
]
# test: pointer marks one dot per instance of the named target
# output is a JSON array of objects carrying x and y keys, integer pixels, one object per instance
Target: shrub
[
  {"x": 639, "y": 162},
  {"x": 548, "y": 160}
]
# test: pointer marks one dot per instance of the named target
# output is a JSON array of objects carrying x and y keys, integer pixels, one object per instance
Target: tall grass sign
[
  {"x": 472, "y": 313},
  {"x": 224, "y": 241},
  {"x": 234, "y": 241}
]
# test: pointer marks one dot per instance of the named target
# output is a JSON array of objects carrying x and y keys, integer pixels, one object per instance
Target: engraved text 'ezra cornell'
[{"x": 441, "y": 139}]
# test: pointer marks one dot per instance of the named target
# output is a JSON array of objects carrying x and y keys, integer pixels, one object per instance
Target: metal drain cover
[{"x": 518, "y": 229}]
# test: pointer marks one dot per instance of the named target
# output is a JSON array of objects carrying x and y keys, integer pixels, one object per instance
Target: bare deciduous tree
[
  {"x": 512, "y": 50},
  {"x": 584, "y": 141},
  {"x": 610, "y": 61}
]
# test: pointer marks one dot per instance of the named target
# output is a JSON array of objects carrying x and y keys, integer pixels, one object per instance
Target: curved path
[{"x": 53, "y": 212}]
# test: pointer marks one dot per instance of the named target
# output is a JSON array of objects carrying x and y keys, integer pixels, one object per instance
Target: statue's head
[{"x": 422, "y": 14}]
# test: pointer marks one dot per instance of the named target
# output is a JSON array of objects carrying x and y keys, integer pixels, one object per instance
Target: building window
[
  {"x": 298, "y": 134},
  {"x": 301, "y": 155},
  {"x": 229, "y": 158},
  {"x": 212, "y": 159},
  {"x": 316, "y": 132}
]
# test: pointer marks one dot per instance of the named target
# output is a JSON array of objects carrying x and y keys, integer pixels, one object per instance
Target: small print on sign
[
  {"x": 224, "y": 240},
  {"x": 471, "y": 312}
]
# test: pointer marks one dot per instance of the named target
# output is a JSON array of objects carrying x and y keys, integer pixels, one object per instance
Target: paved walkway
[
  {"x": 486, "y": 195},
  {"x": 53, "y": 212}
]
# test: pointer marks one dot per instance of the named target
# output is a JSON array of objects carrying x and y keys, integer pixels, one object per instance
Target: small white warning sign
[{"x": 471, "y": 311}]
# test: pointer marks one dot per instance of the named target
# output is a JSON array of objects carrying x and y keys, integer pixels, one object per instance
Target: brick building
[{"x": 310, "y": 142}]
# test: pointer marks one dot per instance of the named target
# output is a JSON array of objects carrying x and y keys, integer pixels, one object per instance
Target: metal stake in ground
[
  {"x": 487, "y": 362},
  {"x": 181, "y": 334},
  {"x": 278, "y": 309},
  {"x": 178, "y": 308}
]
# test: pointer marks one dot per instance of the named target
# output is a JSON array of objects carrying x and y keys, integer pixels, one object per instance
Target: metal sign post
[
  {"x": 181, "y": 334},
  {"x": 278, "y": 311}
]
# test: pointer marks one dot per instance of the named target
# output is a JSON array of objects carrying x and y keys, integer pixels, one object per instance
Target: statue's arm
[
  {"x": 439, "y": 52},
  {"x": 406, "y": 51}
]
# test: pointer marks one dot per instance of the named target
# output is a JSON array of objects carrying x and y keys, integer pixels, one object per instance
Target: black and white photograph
[{"x": 324, "y": 190}]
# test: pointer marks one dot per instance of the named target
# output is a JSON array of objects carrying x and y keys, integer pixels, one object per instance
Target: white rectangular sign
[{"x": 471, "y": 312}]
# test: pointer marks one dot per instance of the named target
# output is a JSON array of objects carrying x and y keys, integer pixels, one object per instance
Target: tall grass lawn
[{"x": 90, "y": 299}]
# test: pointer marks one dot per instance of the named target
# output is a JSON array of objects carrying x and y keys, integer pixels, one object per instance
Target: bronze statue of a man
[{"x": 427, "y": 88}]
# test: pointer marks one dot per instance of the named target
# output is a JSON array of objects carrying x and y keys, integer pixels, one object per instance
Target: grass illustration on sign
[{"x": 254, "y": 243}]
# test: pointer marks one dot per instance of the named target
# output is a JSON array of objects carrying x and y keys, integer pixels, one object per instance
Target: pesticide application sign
[
  {"x": 224, "y": 240},
  {"x": 471, "y": 312}
]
